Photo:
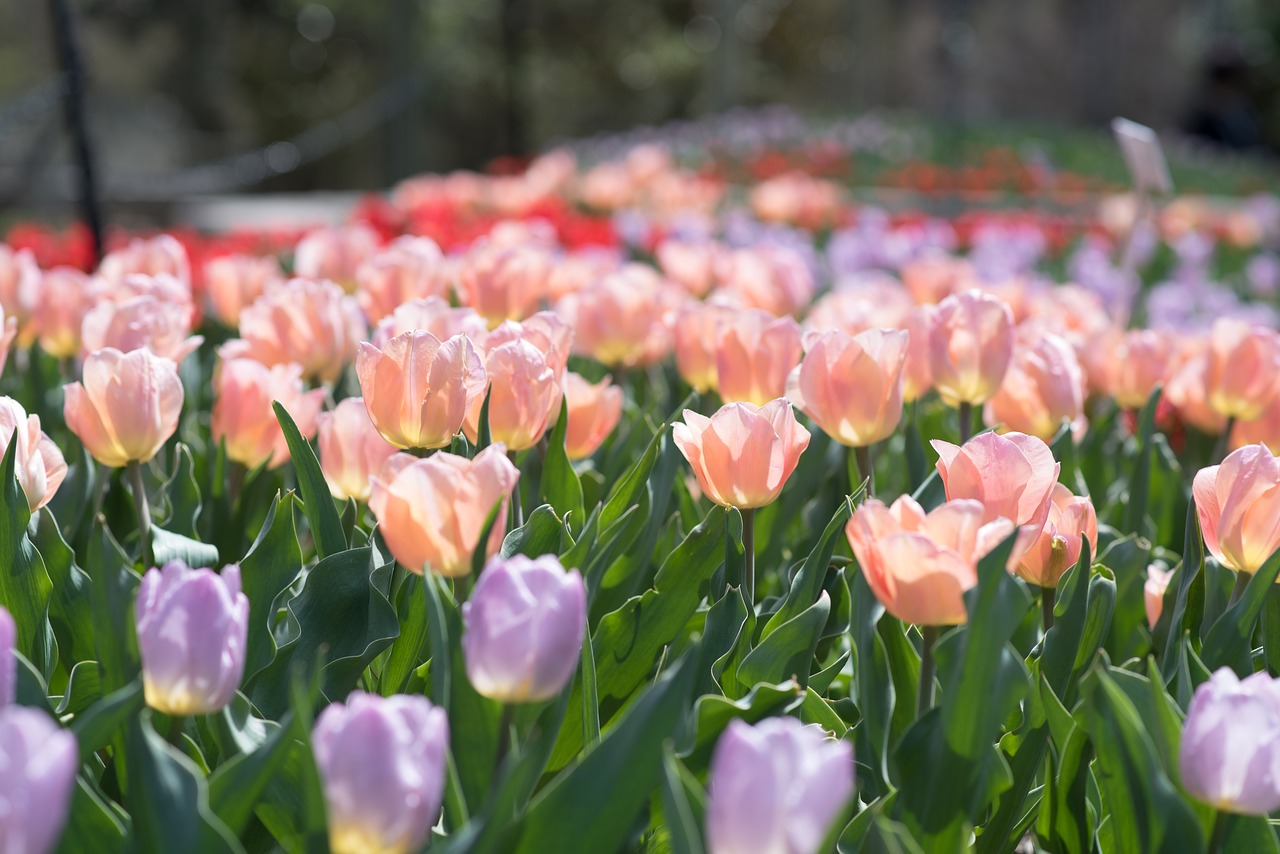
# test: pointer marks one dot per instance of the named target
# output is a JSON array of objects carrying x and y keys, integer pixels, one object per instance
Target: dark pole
[
  {"x": 513, "y": 24},
  {"x": 69, "y": 59}
]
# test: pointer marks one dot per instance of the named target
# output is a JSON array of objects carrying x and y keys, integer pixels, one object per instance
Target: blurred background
[{"x": 192, "y": 97}]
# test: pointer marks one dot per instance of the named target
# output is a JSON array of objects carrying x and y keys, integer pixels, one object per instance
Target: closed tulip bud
[
  {"x": 917, "y": 375},
  {"x": 144, "y": 321},
  {"x": 594, "y": 410},
  {"x": 20, "y": 289},
  {"x": 8, "y": 664},
  {"x": 545, "y": 330},
  {"x": 311, "y": 323},
  {"x": 335, "y": 253},
  {"x": 776, "y": 279},
  {"x": 524, "y": 394},
  {"x": 503, "y": 282},
  {"x": 192, "y": 625},
  {"x": 1230, "y": 745},
  {"x": 1044, "y": 386},
  {"x": 155, "y": 256},
  {"x": 1243, "y": 374},
  {"x": 851, "y": 386},
  {"x": 625, "y": 319},
  {"x": 970, "y": 346},
  {"x": 523, "y": 628},
  {"x": 1238, "y": 503},
  {"x": 1139, "y": 362},
  {"x": 692, "y": 265},
  {"x": 742, "y": 455},
  {"x": 755, "y": 353},
  {"x": 243, "y": 415},
  {"x": 1071, "y": 519},
  {"x": 39, "y": 761},
  {"x": 776, "y": 787},
  {"x": 1153, "y": 592},
  {"x": 66, "y": 295},
  {"x": 409, "y": 268},
  {"x": 432, "y": 315},
  {"x": 695, "y": 334},
  {"x": 1011, "y": 476},
  {"x": 126, "y": 406},
  {"x": 352, "y": 451},
  {"x": 39, "y": 464},
  {"x": 382, "y": 762},
  {"x": 920, "y": 565},
  {"x": 432, "y": 511},
  {"x": 233, "y": 282},
  {"x": 418, "y": 388}
]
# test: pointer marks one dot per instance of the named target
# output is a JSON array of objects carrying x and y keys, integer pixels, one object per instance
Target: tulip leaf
[
  {"x": 677, "y": 813},
  {"x": 724, "y": 669},
  {"x": 237, "y": 784},
  {"x": 70, "y": 612},
  {"x": 273, "y": 562},
  {"x": 1229, "y": 642},
  {"x": 92, "y": 827},
  {"x": 713, "y": 713},
  {"x": 84, "y": 688},
  {"x": 167, "y": 546},
  {"x": 317, "y": 502},
  {"x": 539, "y": 535},
  {"x": 292, "y": 807},
  {"x": 807, "y": 583},
  {"x": 1140, "y": 480},
  {"x": 590, "y": 696},
  {"x": 25, "y": 588},
  {"x": 724, "y": 623},
  {"x": 788, "y": 652},
  {"x": 96, "y": 726},
  {"x": 410, "y": 648},
  {"x": 111, "y": 599},
  {"x": 626, "y": 492},
  {"x": 181, "y": 495},
  {"x": 873, "y": 684},
  {"x": 561, "y": 487}
]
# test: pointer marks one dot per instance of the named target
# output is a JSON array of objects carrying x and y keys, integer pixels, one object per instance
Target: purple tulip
[
  {"x": 193, "y": 625},
  {"x": 8, "y": 664},
  {"x": 776, "y": 788},
  {"x": 383, "y": 766},
  {"x": 523, "y": 629},
  {"x": 38, "y": 761},
  {"x": 1230, "y": 754}
]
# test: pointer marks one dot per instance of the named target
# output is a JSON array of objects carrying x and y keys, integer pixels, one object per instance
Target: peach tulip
[
  {"x": 545, "y": 330},
  {"x": 308, "y": 322},
  {"x": 335, "y": 253},
  {"x": 1071, "y": 519},
  {"x": 409, "y": 268},
  {"x": 1044, "y": 386},
  {"x": 503, "y": 282},
  {"x": 1140, "y": 361},
  {"x": 1243, "y": 373},
  {"x": 594, "y": 410},
  {"x": 744, "y": 454},
  {"x": 126, "y": 407},
  {"x": 1153, "y": 592},
  {"x": 1012, "y": 476},
  {"x": 1188, "y": 390},
  {"x": 625, "y": 319},
  {"x": 970, "y": 347},
  {"x": 581, "y": 269},
  {"x": 432, "y": 511},
  {"x": 418, "y": 388},
  {"x": 1238, "y": 503},
  {"x": 862, "y": 301},
  {"x": 434, "y": 315},
  {"x": 66, "y": 295},
  {"x": 20, "y": 289},
  {"x": 144, "y": 321},
  {"x": 755, "y": 353},
  {"x": 8, "y": 332},
  {"x": 774, "y": 278},
  {"x": 695, "y": 334},
  {"x": 932, "y": 278},
  {"x": 235, "y": 281},
  {"x": 690, "y": 264},
  {"x": 524, "y": 395},
  {"x": 917, "y": 375},
  {"x": 39, "y": 464},
  {"x": 243, "y": 416},
  {"x": 920, "y": 565},
  {"x": 352, "y": 450},
  {"x": 607, "y": 186},
  {"x": 851, "y": 386},
  {"x": 154, "y": 256},
  {"x": 1264, "y": 429}
]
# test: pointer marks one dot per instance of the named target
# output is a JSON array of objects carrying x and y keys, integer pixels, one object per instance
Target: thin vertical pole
[{"x": 70, "y": 60}]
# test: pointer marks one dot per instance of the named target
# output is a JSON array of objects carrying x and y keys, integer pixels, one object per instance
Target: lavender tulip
[
  {"x": 1230, "y": 754},
  {"x": 523, "y": 629},
  {"x": 38, "y": 762},
  {"x": 776, "y": 788},
  {"x": 383, "y": 766},
  {"x": 193, "y": 625},
  {"x": 8, "y": 664}
]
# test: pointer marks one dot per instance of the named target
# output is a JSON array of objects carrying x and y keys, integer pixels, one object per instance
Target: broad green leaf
[
  {"x": 326, "y": 525},
  {"x": 181, "y": 495},
  {"x": 237, "y": 784},
  {"x": 561, "y": 487},
  {"x": 92, "y": 826},
  {"x": 590, "y": 696},
  {"x": 84, "y": 688},
  {"x": 273, "y": 562},
  {"x": 873, "y": 684},
  {"x": 96, "y": 727},
  {"x": 678, "y": 814},
  {"x": 167, "y": 546},
  {"x": 807, "y": 583},
  {"x": 410, "y": 648},
  {"x": 70, "y": 612},
  {"x": 1229, "y": 643},
  {"x": 788, "y": 652},
  {"x": 1140, "y": 480},
  {"x": 712, "y": 713},
  {"x": 25, "y": 588},
  {"x": 539, "y": 535}
]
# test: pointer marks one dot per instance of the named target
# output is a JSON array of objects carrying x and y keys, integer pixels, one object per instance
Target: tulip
[
  {"x": 159, "y": 255},
  {"x": 39, "y": 464},
  {"x": 243, "y": 415},
  {"x": 867, "y": 300},
  {"x": 1230, "y": 746},
  {"x": 932, "y": 278},
  {"x": 144, "y": 321},
  {"x": 776, "y": 787},
  {"x": 1153, "y": 592},
  {"x": 236, "y": 281},
  {"x": 418, "y": 388},
  {"x": 594, "y": 410},
  {"x": 524, "y": 394},
  {"x": 774, "y": 278},
  {"x": 1265, "y": 429},
  {"x": 690, "y": 265},
  {"x": 503, "y": 282},
  {"x": 66, "y": 295},
  {"x": 523, "y": 628},
  {"x": 851, "y": 386},
  {"x": 695, "y": 335},
  {"x": 352, "y": 450},
  {"x": 432, "y": 511},
  {"x": 1238, "y": 503},
  {"x": 8, "y": 663},
  {"x": 38, "y": 760},
  {"x": 1139, "y": 362},
  {"x": 920, "y": 565},
  {"x": 970, "y": 347},
  {"x": 308, "y": 322},
  {"x": 755, "y": 353},
  {"x": 1044, "y": 386},
  {"x": 19, "y": 289},
  {"x": 1243, "y": 374},
  {"x": 382, "y": 762},
  {"x": 580, "y": 269},
  {"x": 409, "y": 268},
  {"x": 126, "y": 407},
  {"x": 1188, "y": 391},
  {"x": 545, "y": 330},
  {"x": 335, "y": 253},
  {"x": 917, "y": 375},
  {"x": 432, "y": 315},
  {"x": 625, "y": 319},
  {"x": 192, "y": 626},
  {"x": 8, "y": 332},
  {"x": 1071, "y": 519},
  {"x": 1012, "y": 476}
]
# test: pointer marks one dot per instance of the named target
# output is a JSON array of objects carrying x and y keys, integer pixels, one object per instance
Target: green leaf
[
  {"x": 96, "y": 727},
  {"x": 70, "y": 612},
  {"x": 789, "y": 651},
  {"x": 1230, "y": 642},
  {"x": 590, "y": 696},
  {"x": 873, "y": 684},
  {"x": 182, "y": 495},
  {"x": 273, "y": 562},
  {"x": 539, "y": 535},
  {"x": 410, "y": 648},
  {"x": 238, "y": 783},
  {"x": 92, "y": 826},
  {"x": 1189, "y": 601},
  {"x": 326, "y": 525},
  {"x": 561, "y": 487},
  {"x": 293, "y": 806},
  {"x": 807, "y": 583},
  {"x": 626, "y": 492},
  {"x": 111, "y": 598},
  {"x": 438, "y": 613},
  {"x": 712, "y": 714},
  {"x": 84, "y": 688},
  {"x": 678, "y": 816},
  {"x": 167, "y": 546},
  {"x": 1140, "y": 481},
  {"x": 25, "y": 588}
]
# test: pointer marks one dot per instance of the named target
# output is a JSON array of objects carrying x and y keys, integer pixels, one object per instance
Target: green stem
[
  {"x": 1047, "y": 595},
  {"x": 924, "y": 700},
  {"x": 1219, "y": 834},
  {"x": 749, "y": 553},
  {"x": 966, "y": 422},
  {"x": 1242, "y": 581},
  {"x": 504, "y": 734},
  {"x": 144, "y": 512},
  {"x": 235, "y": 481},
  {"x": 866, "y": 468},
  {"x": 1224, "y": 442},
  {"x": 174, "y": 736},
  {"x": 517, "y": 508}
]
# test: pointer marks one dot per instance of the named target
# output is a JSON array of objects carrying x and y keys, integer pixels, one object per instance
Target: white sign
[{"x": 1143, "y": 155}]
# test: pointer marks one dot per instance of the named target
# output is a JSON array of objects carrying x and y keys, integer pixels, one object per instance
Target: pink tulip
[
  {"x": 742, "y": 455},
  {"x": 917, "y": 374},
  {"x": 772, "y": 278},
  {"x": 20, "y": 289},
  {"x": 932, "y": 278},
  {"x": 39, "y": 464},
  {"x": 409, "y": 268},
  {"x": 1230, "y": 745},
  {"x": 755, "y": 353},
  {"x": 40, "y": 760},
  {"x": 851, "y": 386},
  {"x": 311, "y": 323},
  {"x": 920, "y": 565},
  {"x": 1044, "y": 386},
  {"x": 433, "y": 315},
  {"x": 1012, "y": 476},
  {"x": 524, "y": 395},
  {"x": 1153, "y": 592},
  {"x": 1071, "y": 519},
  {"x": 1238, "y": 503},
  {"x": 691, "y": 265},
  {"x": 503, "y": 282},
  {"x": 352, "y": 451},
  {"x": 970, "y": 346},
  {"x": 66, "y": 295},
  {"x": 862, "y": 301},
  {"x": 1243, "y": 373},
  {"x": 1139, "y": 362},
  {"x": 1188, "y": 390},
  {"x": 159, "y": 255},
  {"x": 243, "y": 416},
  {"x": 695, "y": 335},
  {"x": 335, "y": 253},
  {"x": 546, "y": 331},
  {"x": 625, "y": 319},
  {"x": 126, "y": 407},
  {"x": 432, "y": 511},
  {"x": 581, "y": 269},
  {"x": 1265, "y": 429},
  {"x": 144, "y": 321},
  {"x": 594, "y": 410},
  {"x": 236, "y": 281}
]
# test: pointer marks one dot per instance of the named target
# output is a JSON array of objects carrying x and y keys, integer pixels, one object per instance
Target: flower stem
[
  {"x": 1224, "y": 442},
  {"x": 504, "y": 734},
  {"x": 966, "y": 422},
  {"x": 1047, "y": 596},
  {"x": 144, "y": 512},
  {"x": 517, "y": 508},
  {"x": 865, "y": 468},
  {"x": 1219, "y": 834},
  {"x": 924, "y": 700},
  {"x": 1242, "y": 581},
  {"x": 749, "y": 553}
]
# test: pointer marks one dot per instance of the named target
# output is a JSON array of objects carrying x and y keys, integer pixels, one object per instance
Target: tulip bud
[
  {"x": 192, "y": 625},
  {"x": 382, "y": 761},
  {"x": 352, "y": 451},
  {"x": 143, "y": 321},
  {"x": 432, "y": 511},
  {"x": 523, "y": 628},
  {"x": 690, "y": 265},
  {"x": 524, "y": 391},
  {"x": 1231, "y": 743},
  {"x": 312, "y": 323},
  {"x": 777, "y": 786},
  {"x": 624, "y": 319},
  {"x": 1012, "y": 476},
  {"x": 8, "y": 663},
  {"x": 1071, "y": 519},
  {"x": 1243, "y": 374},
  {"x": 851, "y": 386},
  {"x": 755, "y": 353},
  {"x": 776, "y": 279},
  {"x": 503, "y": 282},
  {"x": 432, "y": 315},
  {"x": 126, "y": 407},
  {"x": 20, "y": 289},
  {"x": 243, "y": 415},
  {"x": 1238, "y": 503},
  {"x": 39, "y": 761},
  {"x": 418, "y": 388},
  {"x": 66, "y": 295},
  {"x": 970, "y": 346},
  {"x": 155, "y": 256},
  {"x": 1043, "y": 386},
  {"x": 917, "y": 375},
  {"x": 236, "y": 281},
  {"x": 40, "y": 466},
  {"x": 744, "y": 453},
  {"x": 1153, "y": 592},
  {"x": 409, "y": 268},
  {"x": 694, "y": 334},
  {"x": 593, "y": 410},
  {"x": 335, "y": 253},
  {"x": 1139, "y": 362}
]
